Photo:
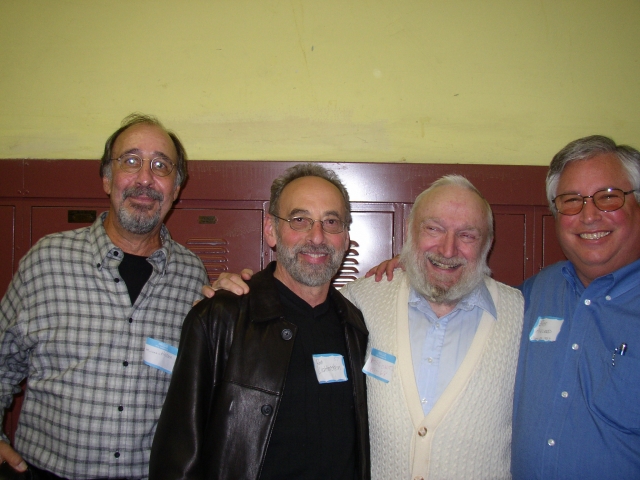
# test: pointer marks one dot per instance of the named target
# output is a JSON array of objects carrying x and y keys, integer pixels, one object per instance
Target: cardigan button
[
  {"x": 423, "y": 431},
  {"x": 286, "y": 334},
  {"x": 266, "y": 410}
]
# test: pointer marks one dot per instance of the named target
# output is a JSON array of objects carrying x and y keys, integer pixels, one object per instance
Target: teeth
[
  {"x": 594, "y": 236},
  {"x": 442, "y": 265}
]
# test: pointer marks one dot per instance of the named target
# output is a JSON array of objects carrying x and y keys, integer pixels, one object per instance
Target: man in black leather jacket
[{"x": 269, "y": 384}]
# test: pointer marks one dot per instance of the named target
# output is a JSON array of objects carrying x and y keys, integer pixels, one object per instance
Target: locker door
[
  {"x": 7, "y": 245},
  {"x": 371, "y": 236},
  {"x": 46, "y": 220},
  {"x": 225, "y": 240}
]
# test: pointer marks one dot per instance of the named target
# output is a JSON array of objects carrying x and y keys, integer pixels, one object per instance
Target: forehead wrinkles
[
  {"x": 139, "y": 138},
  {"x": 304, "y": 193},
  {"x": 153, "y": 155},
  {"x": 451, "y": 224}
]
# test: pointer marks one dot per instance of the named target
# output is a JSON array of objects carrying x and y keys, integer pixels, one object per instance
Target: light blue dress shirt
[
  {"x": 576, "y": 411},
  {"x": 438, "y": 345}
]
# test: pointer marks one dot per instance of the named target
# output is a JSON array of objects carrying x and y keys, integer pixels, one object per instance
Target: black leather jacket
[{"x": 228, "y": 381}]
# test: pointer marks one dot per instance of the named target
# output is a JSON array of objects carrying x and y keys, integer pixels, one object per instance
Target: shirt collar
[
  {"x": 478, "y": 297},
  {"x": 614, "y": 284},
  {"x": 106, "y": 252}
]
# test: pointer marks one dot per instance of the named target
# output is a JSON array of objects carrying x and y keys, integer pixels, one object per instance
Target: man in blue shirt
[{"x": 577, "y": 395}]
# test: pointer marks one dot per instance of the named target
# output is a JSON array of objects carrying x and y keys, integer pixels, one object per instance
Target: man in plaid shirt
[{"x": 92, "y": 318}]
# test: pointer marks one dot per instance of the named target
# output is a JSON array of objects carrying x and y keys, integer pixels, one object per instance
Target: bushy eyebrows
[
  {"x": 578, "y": 192},
  {"x": 440, "y": 222},
  {"x": 300, "y": 211},
  {"x": 137, "y": 151}
]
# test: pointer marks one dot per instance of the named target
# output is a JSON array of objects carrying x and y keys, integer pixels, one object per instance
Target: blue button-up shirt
[
  {"x": 439, "y": 345},
  {"x": 576, "y": 405}
]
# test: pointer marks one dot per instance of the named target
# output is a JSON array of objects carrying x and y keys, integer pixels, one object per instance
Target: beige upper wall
[{"x": 444, "y": 81}]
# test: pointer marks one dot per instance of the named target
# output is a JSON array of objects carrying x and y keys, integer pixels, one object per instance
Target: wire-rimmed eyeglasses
[
  {"x": 304, "y": 224},
  {"x": 607, "y": 200},
  {"x": 132, "y": 163}
]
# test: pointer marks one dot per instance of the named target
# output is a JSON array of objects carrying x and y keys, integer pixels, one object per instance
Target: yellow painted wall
[{"x": 448, "y": 81}]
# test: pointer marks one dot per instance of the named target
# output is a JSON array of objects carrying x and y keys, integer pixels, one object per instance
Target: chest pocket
[{"x": 615, "y": 391}]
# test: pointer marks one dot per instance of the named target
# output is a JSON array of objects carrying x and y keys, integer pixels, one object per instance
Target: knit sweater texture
[{"x": 467, "y": 434}]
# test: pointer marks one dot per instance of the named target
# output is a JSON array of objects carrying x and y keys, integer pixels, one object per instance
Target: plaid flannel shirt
[{"x": 67, "y": 324}]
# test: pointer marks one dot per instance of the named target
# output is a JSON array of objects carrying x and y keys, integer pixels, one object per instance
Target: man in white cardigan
[
  {"x": 444, "y": 409},
  {"x": 443, "y": 345}
]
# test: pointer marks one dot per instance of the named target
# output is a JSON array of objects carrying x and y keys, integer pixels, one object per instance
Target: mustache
[
  {"x": 321, "y": 249},
  {"x": 142, "y": 191}
]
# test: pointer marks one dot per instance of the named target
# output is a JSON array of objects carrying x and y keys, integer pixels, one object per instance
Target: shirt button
[
  {"x": 608, "y": 297},
  {"x": 423, "y": 401},
  {"x": 125, "y": 363},
  {"x": 117, "y": 454},
  {"x": 575, "y": 346},
  {"x": 564, "y": 394},
  {"x": 266, "y": 410},
  {"x": 423, "y": 431},
  {"x": 116, "y": 280},
  {"x": 587, "y": 302},
  {"x": 437, "y": 325},
  {"x": 430, "y": 360},
  {"x": 131, "y": 320},
  {"x": 115, "y": 253},
  {"x": 120, "y": 408},
  {"x": 551, "y": 442},
  {"x": 286, "y": 334}
]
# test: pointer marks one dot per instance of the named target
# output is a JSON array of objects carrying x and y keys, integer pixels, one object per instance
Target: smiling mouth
[
  {"x": 444, "y": 266},
  {"x": 594, "y": 235}
]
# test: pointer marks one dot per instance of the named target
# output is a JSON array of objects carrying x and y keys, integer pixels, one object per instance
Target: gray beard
[
  {"x": 137, "y": 221},
  {"x": 307, "y": 274},
  {"x": 415, "y": 265}
]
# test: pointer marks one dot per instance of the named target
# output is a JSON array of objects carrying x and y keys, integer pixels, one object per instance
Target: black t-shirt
[
  {"x": 135, "y": 271},
  {"x": 314, "y": 436}
]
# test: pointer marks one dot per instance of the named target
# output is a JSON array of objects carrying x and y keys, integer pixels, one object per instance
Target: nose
[
  {"x": 448, "y": 245},
  {"x": 590, "y": 212},
  {"x": 145, "y": 176},
  {"x": 316, "y": 234}
]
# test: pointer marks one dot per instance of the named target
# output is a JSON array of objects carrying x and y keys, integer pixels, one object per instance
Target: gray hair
[
  {"x": 307, "y": 170},
  {"x": 137, "y": 119},
  {"x": 412, "y": 259},
  {"x": 586, "y": 148},
  {"x": 460, "y": 181}
]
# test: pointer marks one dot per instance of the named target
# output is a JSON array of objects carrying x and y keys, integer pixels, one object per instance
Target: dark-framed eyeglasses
[
  {"x": 132, "y": 163},
  {"x": 304, "y": 224},
  {"x": 607, "y": 200}
]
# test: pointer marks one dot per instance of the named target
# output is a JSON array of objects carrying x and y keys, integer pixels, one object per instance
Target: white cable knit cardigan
[{"x": 467, "y": 434}]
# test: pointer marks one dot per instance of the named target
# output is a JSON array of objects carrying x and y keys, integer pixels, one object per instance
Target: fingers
[
  {"x": 380, "y": 270},
  {"x": 232, "y": 282},
  {"x": 385, "y": 268},
  {"x": 246, "y": 274},
  {"x": 391, "y": 266},
  {"x": 13, "y": 458},
  {"x": 207, "y": 292}
]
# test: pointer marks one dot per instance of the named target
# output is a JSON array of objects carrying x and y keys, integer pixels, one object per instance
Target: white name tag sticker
[
  {"x": 330, "y": 368},
  {"x": 546, "y": 329},
  {"x": 160, "y": 355},
  {"x": 380, "y": 365}
]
